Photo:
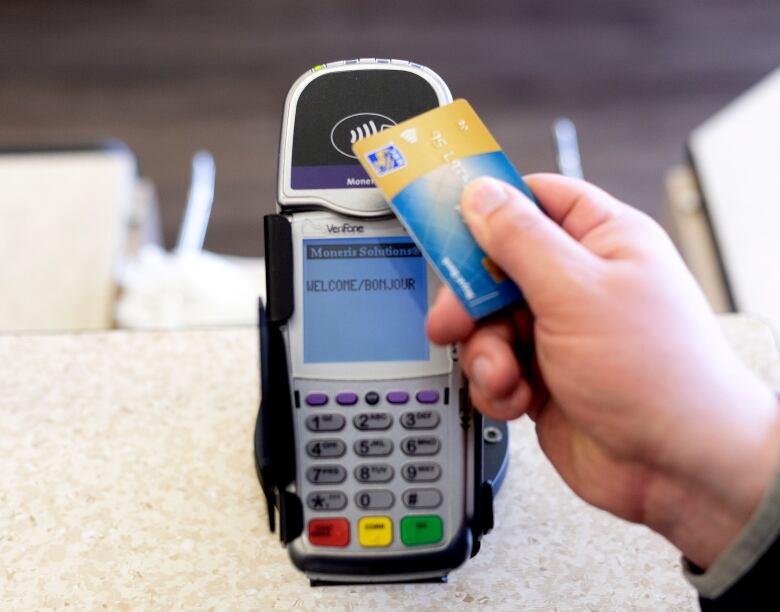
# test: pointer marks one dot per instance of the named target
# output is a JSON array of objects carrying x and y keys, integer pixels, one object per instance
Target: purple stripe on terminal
[
  {"x": 330, "y": 177},
  {"x": 398, "y": 397},
  {"x": 428, "y": 396},
  {"x": 347, "y": 399},
  {"x": 316, "y": 399}
]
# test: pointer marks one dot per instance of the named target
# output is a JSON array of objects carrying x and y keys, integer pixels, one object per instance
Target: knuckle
[{"x": 509, "y": 222}]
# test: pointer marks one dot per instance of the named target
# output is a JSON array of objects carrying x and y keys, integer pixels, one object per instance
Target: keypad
[
  {"x": 373, "y": 447},
  {"x": 374, "y": 500},
  {"x": 326, "y": 474},
  {"x": 325, "y": 422},
  {"x": 370, "y": 421},
  {"x": 420, "y": 419},
  {"x": 320, "y": 449},
  {"x": 380, "y": 488},
  {"x": 374, "y": 472},
  {"x": 420, "y": 445},
  {"x": 326, "y": 500}
]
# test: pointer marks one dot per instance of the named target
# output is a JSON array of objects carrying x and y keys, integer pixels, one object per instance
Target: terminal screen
[{"x": 364, "y": 299}]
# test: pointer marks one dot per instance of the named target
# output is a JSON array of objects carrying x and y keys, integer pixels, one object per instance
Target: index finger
[
  {"x": 574, "y": 204},
  {"x": 448, "y": 321}
]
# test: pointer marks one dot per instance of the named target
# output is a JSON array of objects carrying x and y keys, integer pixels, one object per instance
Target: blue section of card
[{"x": 428, "y": 208}]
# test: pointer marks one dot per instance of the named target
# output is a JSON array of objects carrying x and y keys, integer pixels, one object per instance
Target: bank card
[{"x": 421, "y": 166}]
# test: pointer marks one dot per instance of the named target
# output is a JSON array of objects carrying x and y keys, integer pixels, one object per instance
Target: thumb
[{"x": 527, "y": 245}]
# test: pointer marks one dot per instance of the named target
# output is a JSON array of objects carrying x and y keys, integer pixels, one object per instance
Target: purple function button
[
  {"x": 398, "y": 397},
  {"x": 428, "y": 396},
  {"x": 347, "y": 399},
  {"x": 316, "y": 399}
]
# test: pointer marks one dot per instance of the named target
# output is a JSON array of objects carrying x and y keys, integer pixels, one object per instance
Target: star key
[{"x": 318, "y": 501}]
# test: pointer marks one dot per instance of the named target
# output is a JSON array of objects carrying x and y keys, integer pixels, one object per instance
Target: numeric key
[
  {"x": 325, "y": 422},
  {"x": 377, "y": 447},
  {"x": 326, "y": 474},
  {"x": 325, "y": 448},
  {"x": 369, "y": 421},
  {"x": 420, "y": 445},
  {"x": 421, "y": 472},
  {"x": 374, "y": 472},
  {"x": 374, "y": 500},
  {"x": 420, "y": 419}
]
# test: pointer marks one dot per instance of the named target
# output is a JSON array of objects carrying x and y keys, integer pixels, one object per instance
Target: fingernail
[
  {"x": 480, "y": 370},
  {"x": 484, "y": 196}
]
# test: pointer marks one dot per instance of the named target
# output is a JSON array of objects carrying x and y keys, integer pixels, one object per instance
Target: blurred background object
[
  {"x": 64, "y": 222},
  {"x": 189, "y": 287},
  {"x": 567, "y": 148},
  {"x": 169, "y": 77},
  {"x": 725, "y": 206},
  {"x": 200, "y": 199}
]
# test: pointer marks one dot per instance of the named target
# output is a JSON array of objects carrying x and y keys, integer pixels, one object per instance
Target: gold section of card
[{"x": 440, "y": 136}]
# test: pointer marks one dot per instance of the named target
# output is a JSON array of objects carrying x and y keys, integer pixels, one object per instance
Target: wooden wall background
[{"x": 171, "y": 76}]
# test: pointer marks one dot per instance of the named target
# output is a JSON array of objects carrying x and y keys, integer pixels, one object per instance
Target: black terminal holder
[
  {"x": 275, "y": 459},
  {"x": 274, "y": 448}
]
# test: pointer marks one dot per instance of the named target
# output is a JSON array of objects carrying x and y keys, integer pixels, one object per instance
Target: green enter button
[{"x": 418, "y": 530}]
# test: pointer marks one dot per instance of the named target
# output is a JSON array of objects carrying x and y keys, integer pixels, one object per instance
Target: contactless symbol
[
  {"x": 386, "y": 160},
  {"x": 409, "y": 135},
  {"x": 361, "y": 131},
  {"x": 352, "y": 128}
]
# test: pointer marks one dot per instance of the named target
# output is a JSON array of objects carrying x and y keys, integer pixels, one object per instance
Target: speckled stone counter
[{"x": 127, "y": 482}]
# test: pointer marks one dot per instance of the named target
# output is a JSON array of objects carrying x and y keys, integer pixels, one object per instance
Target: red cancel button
[{"x": 329, "y": 532}]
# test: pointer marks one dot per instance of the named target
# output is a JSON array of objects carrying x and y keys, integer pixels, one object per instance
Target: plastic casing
[{"x": 365, "y": 203}]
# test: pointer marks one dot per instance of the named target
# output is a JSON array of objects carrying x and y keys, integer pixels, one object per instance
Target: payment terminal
[{"x": 366, "y": 446}]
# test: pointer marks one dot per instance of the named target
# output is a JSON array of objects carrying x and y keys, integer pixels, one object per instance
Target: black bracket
[{"x": 274, "y": 455}]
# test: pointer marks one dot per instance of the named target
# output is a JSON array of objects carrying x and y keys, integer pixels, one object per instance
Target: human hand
[{"x": 639, "y": 402}]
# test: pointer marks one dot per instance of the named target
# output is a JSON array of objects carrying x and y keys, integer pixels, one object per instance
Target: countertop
[{"x": 128, "y": 482}]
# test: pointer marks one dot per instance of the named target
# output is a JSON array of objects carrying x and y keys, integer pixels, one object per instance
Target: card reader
[{"x": 366, "y": 445}]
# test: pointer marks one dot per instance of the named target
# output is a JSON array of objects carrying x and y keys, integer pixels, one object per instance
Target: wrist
[
  {"x": 693, "y": 519},
  {"x": 703, "y": 506}
]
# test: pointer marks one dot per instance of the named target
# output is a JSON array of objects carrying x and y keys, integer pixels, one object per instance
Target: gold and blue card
[{"x": 421, "y": 166}]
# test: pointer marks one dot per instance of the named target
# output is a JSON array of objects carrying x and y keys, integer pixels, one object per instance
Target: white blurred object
[
  {"x": 200, "y": 199},
  {"x": 736, "y": 156},
  {"x": 567, "y": 148},
  {"x": 63, "y": 228},
  {"x": 164, "y": 290},
  {"x": 190, "y": 287},
  {"x": 143, "y": 224}
]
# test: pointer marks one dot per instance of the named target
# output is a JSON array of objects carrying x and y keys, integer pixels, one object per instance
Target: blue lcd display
[{"x": 364, "y": 299}]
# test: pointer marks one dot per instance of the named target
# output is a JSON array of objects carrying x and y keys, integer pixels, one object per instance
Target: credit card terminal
[{"x": 366, "y": 445}]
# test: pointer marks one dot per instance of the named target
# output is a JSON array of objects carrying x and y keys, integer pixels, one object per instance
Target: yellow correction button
[{"x": 375, "y": 531}]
